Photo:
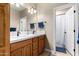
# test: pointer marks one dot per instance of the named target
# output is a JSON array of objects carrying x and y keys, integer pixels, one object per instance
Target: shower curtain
[{"x": 60, "y": 29}]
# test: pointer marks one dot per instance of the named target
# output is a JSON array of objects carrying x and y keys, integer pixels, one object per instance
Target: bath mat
[{"x": 61, "y": 49}]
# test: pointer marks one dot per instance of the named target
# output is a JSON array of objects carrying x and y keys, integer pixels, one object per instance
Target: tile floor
[
  {"x": 46, "y": 53},
  {"x": 61, "y": 54}
]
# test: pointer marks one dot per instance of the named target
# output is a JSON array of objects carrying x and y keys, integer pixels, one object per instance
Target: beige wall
[{"x": 48, "y": 14}]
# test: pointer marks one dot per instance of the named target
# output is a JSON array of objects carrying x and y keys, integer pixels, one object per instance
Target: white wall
[
  {"x": 14, "y": 18},
  {"x": 48, "y": 14}
]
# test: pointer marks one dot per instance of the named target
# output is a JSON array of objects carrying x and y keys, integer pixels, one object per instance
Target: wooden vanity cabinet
[
  {"x": 35, "y": 46},
  {"x": 17, "y": 52},
  {"x": 29, "y": 47},
  {"x": 27, "y": 50},
  {"x": 41, "y": 44},
  {"x": 22, "y": 48}
]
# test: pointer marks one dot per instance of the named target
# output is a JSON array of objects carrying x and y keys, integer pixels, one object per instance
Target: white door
[{"x": 70, "y": 30}]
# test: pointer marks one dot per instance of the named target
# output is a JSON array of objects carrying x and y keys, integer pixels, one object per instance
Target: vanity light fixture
[{"x": 31, "y": 10}]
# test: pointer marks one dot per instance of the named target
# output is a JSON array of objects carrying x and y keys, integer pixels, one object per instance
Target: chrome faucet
[
  {"x": 33, "y": 31},
  {"x": 18, "y": 33}
]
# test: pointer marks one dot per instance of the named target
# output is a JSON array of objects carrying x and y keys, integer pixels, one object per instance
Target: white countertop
[{"x": 14, "y": 39}]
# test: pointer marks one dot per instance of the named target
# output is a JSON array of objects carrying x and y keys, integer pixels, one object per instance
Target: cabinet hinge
[
  {"x": 74, "y": 50},
  {"x": 74, "y": 30},
  {"x": 74, "y": 11}
]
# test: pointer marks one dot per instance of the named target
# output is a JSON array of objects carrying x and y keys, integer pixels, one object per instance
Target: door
[
  {"x": 28, "y": 50},
  {"x": 70, "y": 30},
  {"x": 4, "y": 29}
]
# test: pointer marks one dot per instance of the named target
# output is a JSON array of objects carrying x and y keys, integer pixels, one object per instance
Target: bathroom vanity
[
  {"x": 27, "y": 36},
  {"x": 32, "y": 45}
]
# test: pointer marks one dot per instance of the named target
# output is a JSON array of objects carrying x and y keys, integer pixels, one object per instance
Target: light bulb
[
  {"x": 34, "y": 11},
  {"x": 31, "y": 12},
  {"x": 28, "y": 10}
]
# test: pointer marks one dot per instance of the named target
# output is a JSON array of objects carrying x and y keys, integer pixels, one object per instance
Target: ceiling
[
  {"x": 62, "y": 11},
  {"x": 22, "y": 7},
  {"x": 27, "y": 5}
]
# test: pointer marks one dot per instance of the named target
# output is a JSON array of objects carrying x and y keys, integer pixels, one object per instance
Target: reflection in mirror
[
  {"x": 23, "y": 24},
  {"x": 21, "y": 18},
  {"x": 24, "y": 17}
]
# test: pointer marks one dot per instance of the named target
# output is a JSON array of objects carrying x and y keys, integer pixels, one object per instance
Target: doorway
[{"x": 65, "y": 31}]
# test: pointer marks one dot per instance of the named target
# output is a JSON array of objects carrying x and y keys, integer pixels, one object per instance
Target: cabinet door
[
  {"x": 27, "y": 50},
  {"x": 35, "y": 52},
  {"x": 35, "y": 43},
  {"x": 17, "y": 52},
  {"x": 4, "y": 29},
  {"x": 41, "y": 44},
  {"x": 35, "y": 46}
]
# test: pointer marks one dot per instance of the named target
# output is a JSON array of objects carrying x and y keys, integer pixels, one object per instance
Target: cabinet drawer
[{"x": 20, "y": 44}]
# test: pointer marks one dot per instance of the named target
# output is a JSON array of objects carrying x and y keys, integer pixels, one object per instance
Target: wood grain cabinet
[
  {"x": 35, "y": 46},
  {"x": 4, "y": 29},
  {"x": 17, "y": 52},
  {"x": 30, "y": 47},
  {"x": 41, "y": 44},
  {"x": 22, "y": 48},
  {"x": 27, "y": 50}
]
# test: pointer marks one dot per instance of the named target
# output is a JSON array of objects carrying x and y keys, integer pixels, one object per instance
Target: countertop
[{"x": 14, "y": 39}]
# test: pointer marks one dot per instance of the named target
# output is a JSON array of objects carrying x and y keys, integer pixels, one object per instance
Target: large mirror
[
  {"x": 24, "y": 19},
  {"x": 22, "y": 16}
]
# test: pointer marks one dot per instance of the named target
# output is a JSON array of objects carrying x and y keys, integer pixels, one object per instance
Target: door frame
[
  {"x": 76, "y": 29},
  {"x": 60, "y": 8}
]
